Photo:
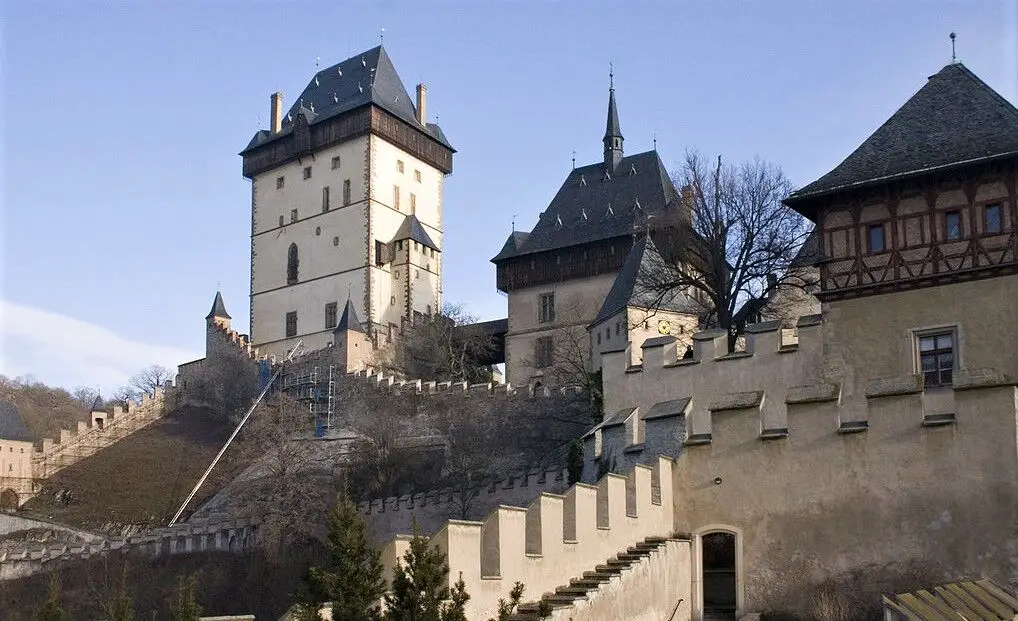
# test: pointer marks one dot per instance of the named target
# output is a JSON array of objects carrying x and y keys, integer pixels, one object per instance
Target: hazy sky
[{"x": 123, "y": 204}]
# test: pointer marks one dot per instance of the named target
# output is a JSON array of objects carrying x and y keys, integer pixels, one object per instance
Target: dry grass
[{"x": 143, "y": 478}]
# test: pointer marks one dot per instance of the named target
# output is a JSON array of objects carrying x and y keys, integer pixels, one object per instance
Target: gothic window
[
  {"x": 292, "y": 265},
  {"x": 330, "y": 315},
  {"x": 346, "y": 192},
  {"x": 544, "y": 352},
  {"x": 993, "y": 218},
  {"x": 547, "y": 308},
  {"x": 325, "y": 198},
  {"x": 952, "y": 225},
  {"x": 876, "y": 238},
  {"x": 936, "y": 357},
  {"x": 291, "y": 324}
]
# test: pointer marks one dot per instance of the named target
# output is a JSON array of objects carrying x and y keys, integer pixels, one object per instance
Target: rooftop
[{"x": 11, "y": 425}]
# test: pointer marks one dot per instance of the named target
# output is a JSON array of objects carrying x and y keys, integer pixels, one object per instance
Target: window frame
[
  {"x": 948, "y": 216},
  {"x": 347, "y": 192},
  {"x": 937, "y": 353},
  {"x": 544, "y": 352},
  {"x": 307, "y": 173},
  {"x": 417, "y": 175},
  {"x": 999, "y": 208},
  {"x": 870, "y": 228},
  {"x": 291, "y": 322},
  {"x": 546, "y": 307},
  {"x": 326, "y": 198},
  {"x": 336, "y": 162},
  {"x": 280, "y": 182},
  {"x": 331, "y": 315}
]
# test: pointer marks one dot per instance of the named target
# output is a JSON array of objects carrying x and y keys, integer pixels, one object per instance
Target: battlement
[
  {"x": 237, "y": 340},
  {"x": 102, "y": 430},
  {"x": 554, "y": 537},
  {"x": 224, "y": 535},
  {"x": 391, "y": 382}
]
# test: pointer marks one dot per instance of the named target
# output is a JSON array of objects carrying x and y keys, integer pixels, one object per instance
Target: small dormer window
[
  {"x": 583, "y": 181},
  {"x": 632, "y": 170}
]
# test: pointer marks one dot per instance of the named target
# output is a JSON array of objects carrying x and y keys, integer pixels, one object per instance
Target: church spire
[{"x": 612, "y": 133}]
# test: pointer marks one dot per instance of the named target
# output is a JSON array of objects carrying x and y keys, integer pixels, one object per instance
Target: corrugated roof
[
  {"x": 954, "y": 118},
  {"x": 594, "y": 205},
  {"x": 366, "y": 78},
  {"x": 11, "y": 425},
  {"x": 978, "y": 600}
]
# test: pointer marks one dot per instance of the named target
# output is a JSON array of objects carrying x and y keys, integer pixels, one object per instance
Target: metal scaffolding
[{"x": 317, "y": 390}]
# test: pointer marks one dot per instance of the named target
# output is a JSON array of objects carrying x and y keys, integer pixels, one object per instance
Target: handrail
[{"x": 233, "y": 435}]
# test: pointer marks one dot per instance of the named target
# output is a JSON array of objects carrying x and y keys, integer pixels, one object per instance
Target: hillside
[
  {"x": 44, "y": 409},
  {"x": 143, "y": 478}
]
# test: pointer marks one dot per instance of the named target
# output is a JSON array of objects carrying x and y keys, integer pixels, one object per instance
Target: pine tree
[
  {"x": 352, "y": 581},
  {"x": 420, "y": 587},
  {"x": 52, "y": 610},
  {"x": 184, "y": 606}
]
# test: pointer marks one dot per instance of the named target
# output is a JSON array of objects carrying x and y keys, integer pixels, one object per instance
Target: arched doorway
[
  {"x": 9, "y": 500},
  {"x": 717, "y": 562}
]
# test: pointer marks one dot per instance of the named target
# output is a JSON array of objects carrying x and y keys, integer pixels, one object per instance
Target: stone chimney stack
[
  {"x": 422, "y": 96},
  {"x": 276, "y": 112}
]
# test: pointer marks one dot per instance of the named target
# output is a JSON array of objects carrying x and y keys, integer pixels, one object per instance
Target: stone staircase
[{"x": 591, "y": 581}]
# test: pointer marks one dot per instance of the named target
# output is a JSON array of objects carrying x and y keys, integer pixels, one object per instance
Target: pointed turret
[
  {"x": 349, "y": 320},
  {"x": 218, "y": 308},
  {"x": 612, "y": 133},
  {"x": 351, "y": 346}
]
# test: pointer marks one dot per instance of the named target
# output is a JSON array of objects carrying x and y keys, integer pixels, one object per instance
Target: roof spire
[
  {"x": 954, "y": 58},
  {"x": 612, "y": 133},
  {"x": 218, "y": 308}
]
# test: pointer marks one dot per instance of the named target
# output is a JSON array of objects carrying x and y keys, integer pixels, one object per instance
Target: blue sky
[{"x": 123, "y": 204}]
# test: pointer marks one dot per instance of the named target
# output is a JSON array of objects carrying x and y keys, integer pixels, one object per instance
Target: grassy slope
[{"x": 143, "y": 478}]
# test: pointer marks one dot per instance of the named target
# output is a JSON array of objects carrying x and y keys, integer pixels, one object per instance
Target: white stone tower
[{"x": 346, "y": 203}]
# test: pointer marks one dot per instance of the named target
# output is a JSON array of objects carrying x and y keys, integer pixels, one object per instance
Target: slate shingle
[{"x": 11, "y": 425}]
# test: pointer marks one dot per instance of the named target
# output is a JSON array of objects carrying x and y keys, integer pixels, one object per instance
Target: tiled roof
[
  {"x": 512, "y": 245},
  {"x": 957, "y": 601},
  {"x": 954, "y": 118},
  {"x": 413, "y": 229},
  {"x": 11, "y": 425},
  {"x": 218, "y": 308},
  {"x": 592, "y": 205},
  {"x": 627, "y": 291},
  {"x": 349, "y": 320},
  {"x": 369, "y": 77}
]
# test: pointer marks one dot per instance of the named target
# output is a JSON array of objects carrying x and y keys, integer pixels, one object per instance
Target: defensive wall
[
  {"x": 817, "y": 483},
  {"x": 226, "y": 535},
  {"x": 554, "y": 538}
]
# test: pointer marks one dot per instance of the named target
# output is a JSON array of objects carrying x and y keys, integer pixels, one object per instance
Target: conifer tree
[
  {"x": 52, "y": 610},
  {"x": 352, "y": 581},
  {"x": 420, "y": 589},
  {"x": 184, "y": 606}
]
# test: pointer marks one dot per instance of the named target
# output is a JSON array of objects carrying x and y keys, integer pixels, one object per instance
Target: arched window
[{"x": 292, "y": 264}]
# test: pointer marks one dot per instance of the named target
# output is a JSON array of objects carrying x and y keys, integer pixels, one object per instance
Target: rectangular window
[
  {"x": 952, "y": 225},
  {"x": 547, "y": 308},
  {"x": 544, "y": 352},
  {"x": 993, "y": 218},
  {"x": 346, "y": 192},
  {"x": 413, "y": 203},
  {"x": 598, "y": 338},
  {"x": 291, "y": 324},
  {"x": 325, "y": 198},
  {"x": 307, "y": 172},
  {"x": 280, "y": 182},
  {"x": 335, "y": 162},
  {"x": 282, "y": 221},
  {"x": 293, "y": 215},
  {"x": 417, "y": 176},
  {"x": 395, "y": 196},
  {"x": 936, "y": 358},
  {"x": 330, "y": 315},
  {"x": 399, "y": 245},
  {"x": 399, "y": 166},
  {"x": 876, "y": 238},
  {"x": 618, "y": 327},
  {"x": 379, "y": 254}
]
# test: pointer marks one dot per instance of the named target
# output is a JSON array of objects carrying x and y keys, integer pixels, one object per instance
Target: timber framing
[{"x": 582, "y": 261}]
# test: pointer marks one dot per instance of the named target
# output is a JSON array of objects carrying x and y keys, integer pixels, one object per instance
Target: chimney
[
  {"x": 276, "y": 112},
  {"x": 422, "y": 95}
]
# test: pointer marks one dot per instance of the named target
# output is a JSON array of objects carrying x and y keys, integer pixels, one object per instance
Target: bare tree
[
  {"x": 87, "y": 397},
  {"x": 150, "y": 378},
  {"x": 442, "y": 347},
  {"x": 227, "y": 384},
  {"x": 731, "y": 244},
  {"x": 571, "y": 366},
  {"x": 122, "y": 395}
]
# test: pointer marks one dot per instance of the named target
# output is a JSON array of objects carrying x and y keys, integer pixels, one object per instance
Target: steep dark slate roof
[
  {"x": 413, "y": 229},
  {"x": 626, "y": 290},
  {"x": 366, "y": 78},
  {"x": 512, "y": 245},
  {"x": 954, "y": 118},
  {"x": 11, "y": 425},
  {"x": 349, "y": 320},
  {"x": 218, "y": 308},
  {"x": 809, "y": 252},
  {"x": 591, "y": 207},
  {"x": 612, "y": 128}
]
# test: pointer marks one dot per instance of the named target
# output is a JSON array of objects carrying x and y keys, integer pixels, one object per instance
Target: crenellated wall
[
  {"x": 554, "y": 538},
  {"x": 231, "y": 535}
]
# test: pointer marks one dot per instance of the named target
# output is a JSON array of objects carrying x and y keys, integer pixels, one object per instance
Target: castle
[{"x": 875, "y": 440}]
